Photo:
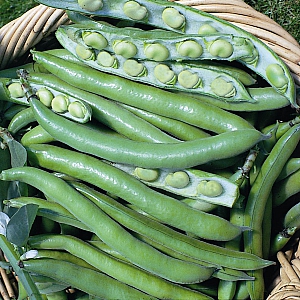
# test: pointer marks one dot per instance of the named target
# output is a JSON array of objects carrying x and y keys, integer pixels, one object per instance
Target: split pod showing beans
[
  {"x": 148, "y": 155},
  {"x": 163, "y": 73},
  {"x": 70, "y": 107},
  {"x": 158, "y": 45},
  {"x": 173, "y": 269},
  {"x": 138, "y": 95},
  {"x": 187, "y": 20},
  {"x": 117, "y": 182},
  {"x": 191, "y": 183}
]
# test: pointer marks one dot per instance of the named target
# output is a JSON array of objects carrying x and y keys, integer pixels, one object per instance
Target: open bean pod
[
  {"x": 70, "y": 107},
  {"x": 161, "y": 45},
  {"x": 188, "y": 20},
  {"x": 169, "y": 74},
  {"x": 191, "y": 183}
]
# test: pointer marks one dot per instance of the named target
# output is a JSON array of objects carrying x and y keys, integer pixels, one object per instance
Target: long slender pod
[
  {"x": 107, "y": 230},
  {"x": 286, "y": 188},
  {"x": 120, "y": 270},
  {"x": 174, "y": 127},
  {"x": 81, "y": 278},
  {"x": 184, "y": 108},
  {"x": 199, "y": 250},
  {"x": 174, "y": 16},
  {"x": 258, "y": 196},
  {"x": 48, "y": 209},
  {"x": 149, "y": 155},
  {"x": 161, "y": 72},
  {"x": 105, "y": 111},
  {"x": 132, "y": 190}
]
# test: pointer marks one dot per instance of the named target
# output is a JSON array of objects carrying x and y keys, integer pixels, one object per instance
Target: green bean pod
[
  {"x": 9, "y": 112},
  {"x": 136, "y": 94},
  {"x": 147, "y": 155},
  {"x": 166, "y": 74},
  {"x": 286, "y": 188},
  {"x": 29, "y": 67},
  {"x": 189, "y": 20},
  {"x": 191, "y": 183},
  {"x": 258, "y": 196},
  {"x": 291, "y": 166},
  {"x": 62, "y": 255},
  {"x": 82, "y": 278},
  {"x": 280, "y": 239},
  {"x": 106, "y": 36},
  {"x": 196, "y": 250},
  {"x": 266, "y": 98},
  {"x": 292, "y": 217},
  {"x": 20, "y": 120},
  {"x": 107, "y": 230},
  {"x": 223, "y": 273},
  {"x": 36, "y": 135},
  {"x": 47, "y": 209},
  {"x": 107, "y": 112},
  {"x": 120, "y": 270},
  {"x": 242, "y": 75},
  {"x": 69, "y": 107},
  {"x": 132, "y": 190},
  {"x": 180, "y": 130}
]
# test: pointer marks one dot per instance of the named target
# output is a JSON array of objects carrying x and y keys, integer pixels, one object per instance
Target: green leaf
[
  {"x": 19, "y": 226},
  {"x": 18, "y": 153}
]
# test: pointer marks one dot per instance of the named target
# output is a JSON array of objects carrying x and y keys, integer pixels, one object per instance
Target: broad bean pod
[
  {"x": 36, "y": 135},
  {"x": 107, "y": 230},
  {"x": 226, "y": 288},
  {"x": 107, "y": 112},
  {"x": 48, "y": 209},
  {"x": 151, "y": 99},
  {"x": 291, "y": 166},
  {"x": 127, "y": 187},
  {"x": 191, "y": 183},
  {"x": 258, "y": 196},
  {"x": 61, "y": 255},
  {"x": 82, "y": 278},
  {"x": 180, "y": 130},
  {"x": 292, "y": 217},
  {"x": 69, "y": 107},
  {"x": 240, "y": 74},
  {"x": 166, "y": 74},
  {"x": 186, "y": 20},
  {"x": 20, "y": 120},
  {"x": 122, "y": 271},
  {"x": 244, "y": 77},
  {"x": 168, "y": 45},
  {"x": 200, "y": 251},
  {"x": 266, "y": 98},
  {"x": 148, "y": 155},
  {"x": 7, "y": 113},
  {"x": 223, "y": 273},
  {"x": 286, "y": 188},
  {"x": 280, "y": 239}
]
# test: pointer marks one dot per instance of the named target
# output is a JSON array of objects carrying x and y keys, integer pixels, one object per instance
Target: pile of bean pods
[{"x": 153, "y": 155}]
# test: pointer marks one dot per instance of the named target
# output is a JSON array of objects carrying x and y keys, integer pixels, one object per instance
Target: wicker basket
[{"x": 24, "y": 33}]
